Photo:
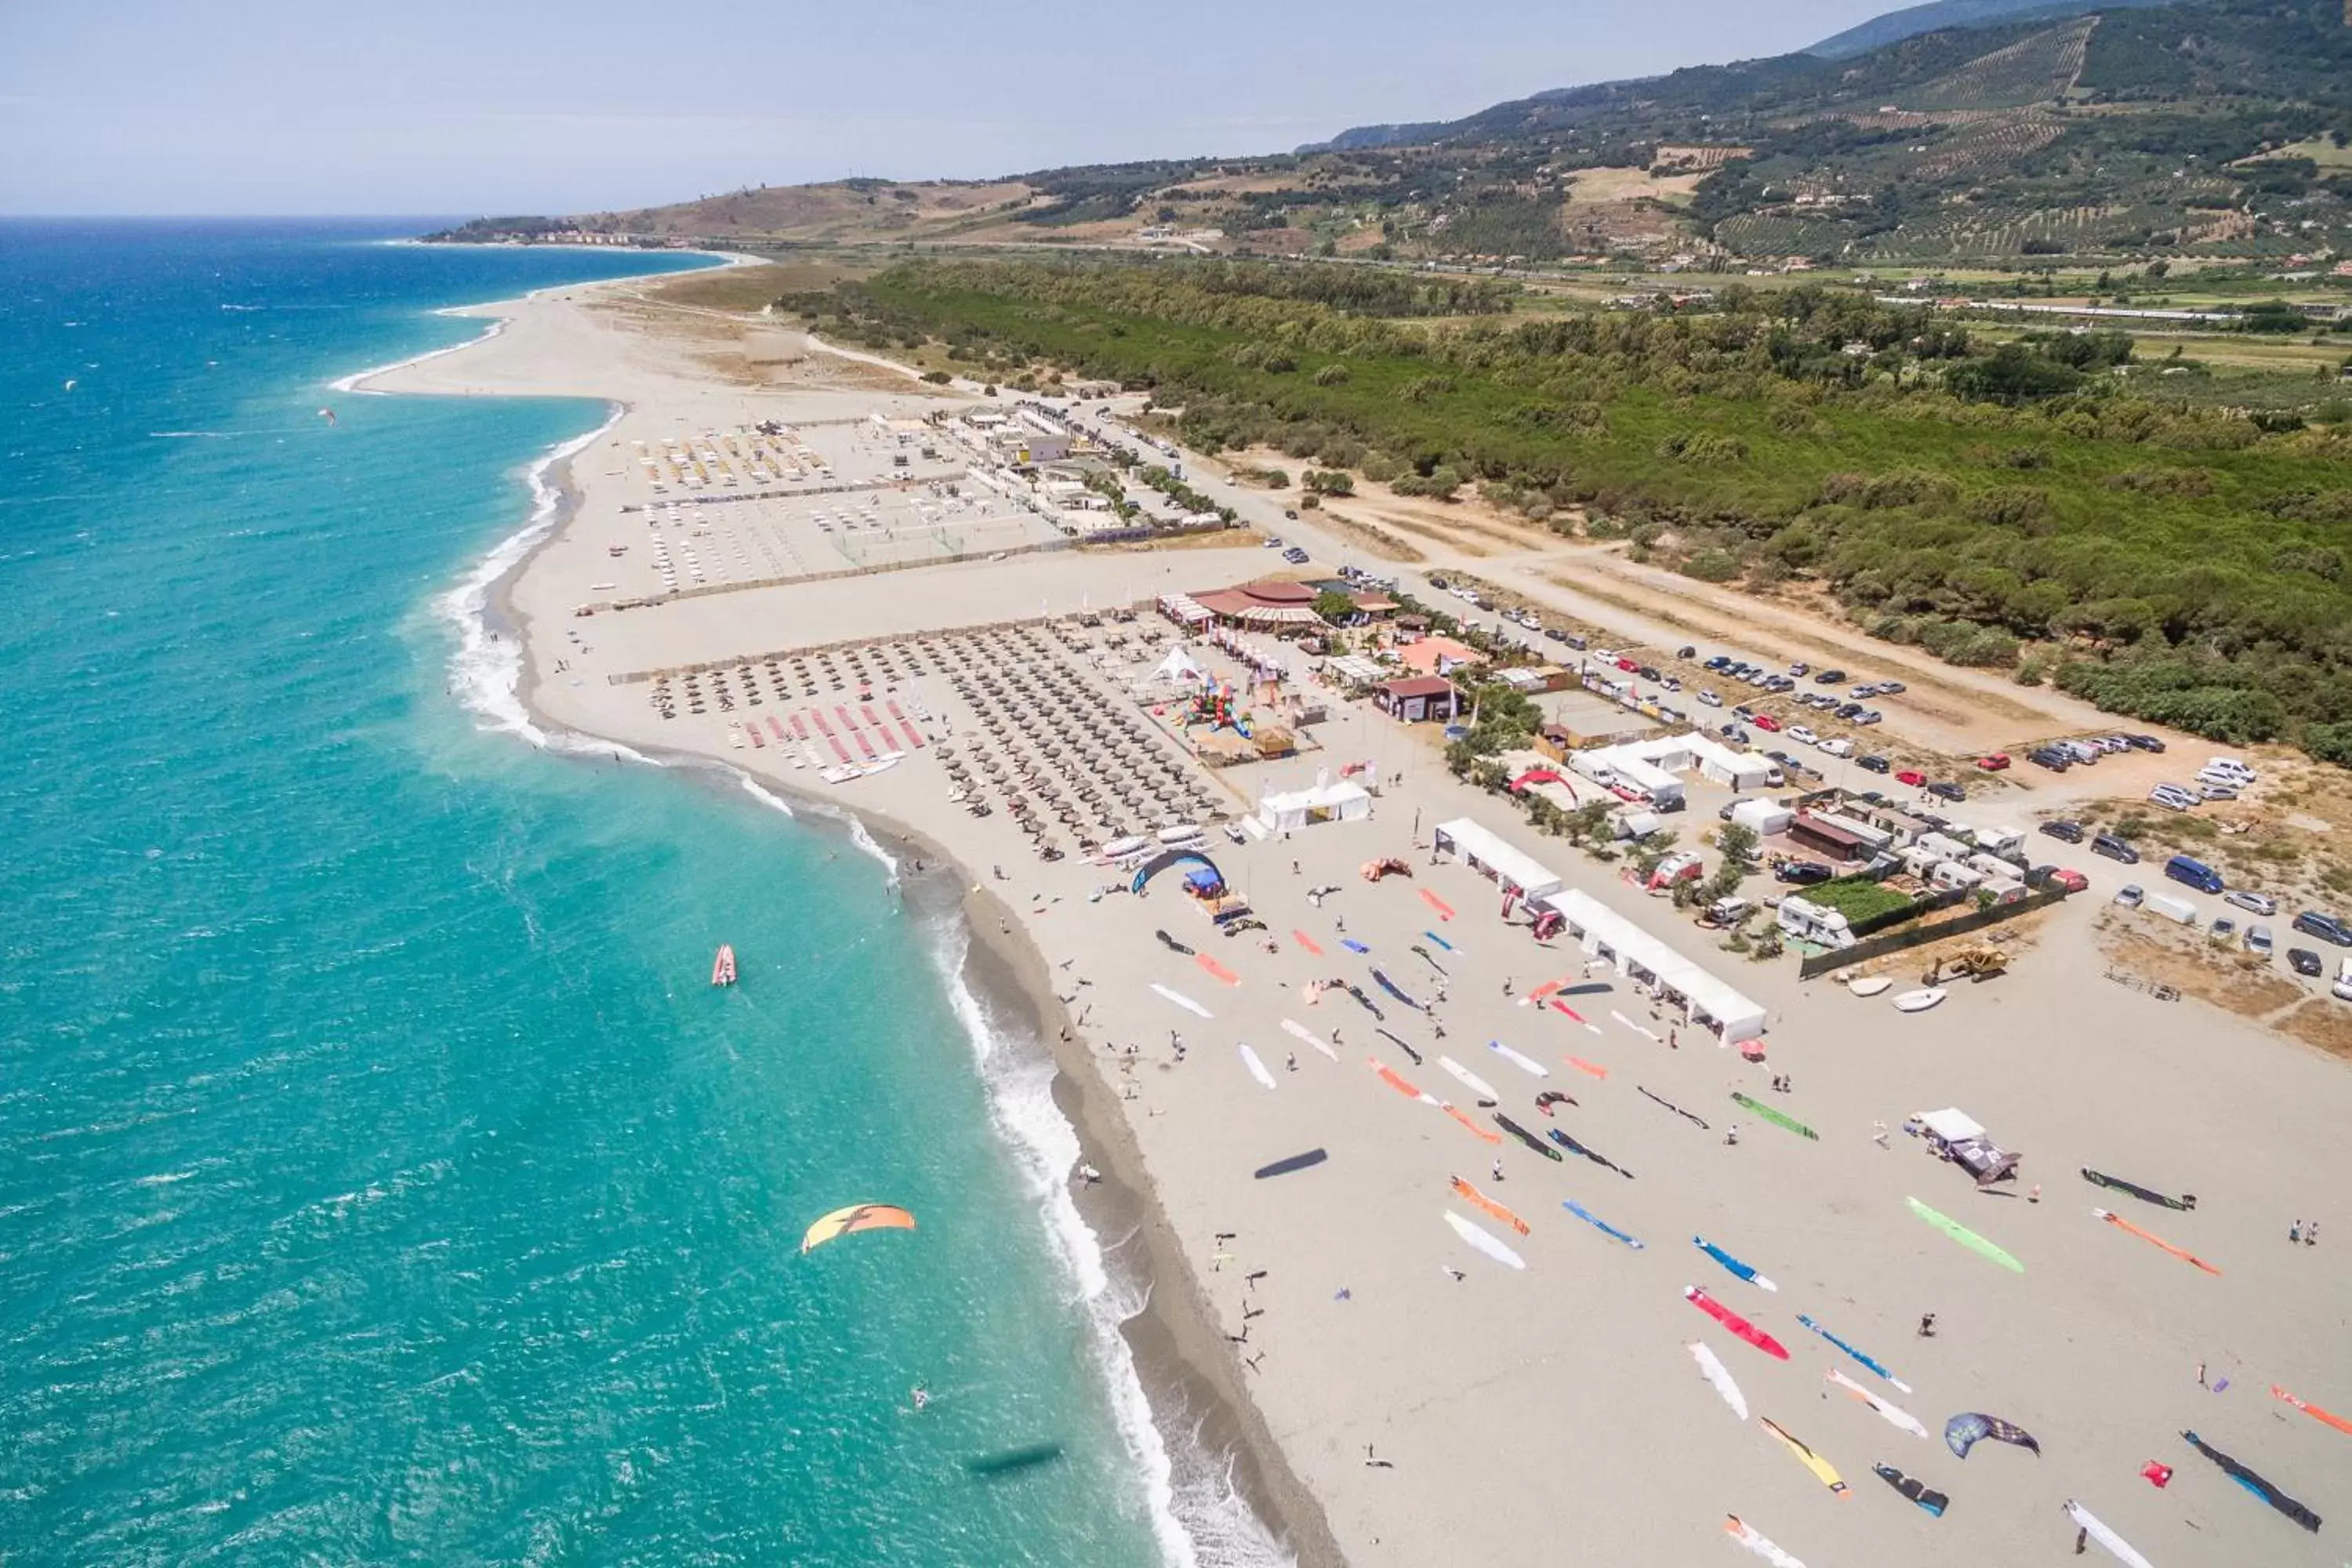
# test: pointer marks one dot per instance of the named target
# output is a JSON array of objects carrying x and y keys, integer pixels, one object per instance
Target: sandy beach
[{"x": 1390, "y": 1394}]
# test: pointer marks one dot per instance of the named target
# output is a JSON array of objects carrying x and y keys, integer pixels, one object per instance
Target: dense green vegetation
[{"x": 1992, "y": 504}]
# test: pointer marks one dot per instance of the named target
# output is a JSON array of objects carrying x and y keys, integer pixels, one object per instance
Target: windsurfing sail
[
  {"x": 1445, "y": 910},
  {"x": 2255, "y": 1484},
  {"x": 1257, "y": 1068},
  {"x": 2182, "y": 1253},
  {"x": 1551, "y": 1097},
  {"x": 1541, "y": 992},
  {"x": 2116, "y": 1183},
  {"x": 1934, "y": 1502},
  {"x": 1309, "y": 943},
  {"x": 1476, "y": 1085},
  {"x": 1534, "y": 1069},
  {"x": 1526, "y": 1137},
  {"x": 1965, "y": 1237},
  {"x": 1352, "y": 945},
  {"x": 1641, "y": 1029},
  {"x": 1393, "y": 988},
  {"x": 1299, "y": 1031},
  {"x": 1183, "y": 1001},
  {"x": 1743, "y": 1270},
  {"x": 1595, "y": 1156},
  {"x": 1711, "y": 1367},
  {"x": 1484, "y": 1240},
  {"x": 1441, "y": 942},
  {"x": 1283, "y": 1167},
  {"x": 1695, "y": 1120},
  {"x": 1735, "y": 1322},
  {"x": 1216, "y": 971},
  {"x": 2090, "y": 1524},
  {"x": 1172, "y": 946},
  {"x": 1573, "y": 1015},
  {"x": 1586, "y": 1068},
  {"x": 1893, "y": 1416},
  {"x": 1597, "y": 1222},
  {"x": 1423, "y": 955},
  {"x": 1745, "y": 1534},
  {"x": 1457, "y": 1112},
  {"x": 849, "y": 1221},
  {"x": 1477, "y": 1199},
  {"x": 1776, "y": 1117},
  {"x": 1824, "y": 1471},
  {"x": 1369, "y": 1004},
  {"x": 2326, "y": 1417},
  {"x": 1966, "y": 1430},
  {"x": 1869, "y": 1361},
  {"x": 1401, "y": 1044}
]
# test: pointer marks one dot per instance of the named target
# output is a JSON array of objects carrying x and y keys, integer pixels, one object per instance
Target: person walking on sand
[
  {"x": 1290, "y": 1060},
  {"x": 1731, "y": 1134},
  {"x": 2311, "y": 1233},
  {"x": 2293, "y": 1232},
  {"x": 1928, "y": 1325},
  {"x": 1498, "y": 1170},
  {"x": 1506, "y": 985}
]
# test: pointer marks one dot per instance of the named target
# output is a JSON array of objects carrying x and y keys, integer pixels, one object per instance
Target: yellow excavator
[{"x": 1969, "y": 962}]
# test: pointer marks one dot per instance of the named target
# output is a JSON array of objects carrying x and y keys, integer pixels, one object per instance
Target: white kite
[
  {"x": 1484, "y": 1240},
  {"x": 1257, "y": 1068},
  {"x": 1740, "y": 1531},
  {"x": 1711, "y": 1368},
  {"x": 1477, "y": 1085},
  {"x": 1894, "y": 1415},
  {"x": 1183, "y": 1001},
  {"x": 2099, "y": 1532},
  {"x": 1508, "y": 1055},
  {"x": 1299, "y": 1031}
]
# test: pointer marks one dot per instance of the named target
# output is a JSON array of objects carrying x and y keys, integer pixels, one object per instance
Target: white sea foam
[
  {"x": 1199, "y": 1518},
  {"x": 351, "y": 384},
  {"x": 764, "y": 796}
]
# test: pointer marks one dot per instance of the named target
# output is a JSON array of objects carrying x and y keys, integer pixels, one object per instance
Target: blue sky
[{"x": 506, "y": 106}]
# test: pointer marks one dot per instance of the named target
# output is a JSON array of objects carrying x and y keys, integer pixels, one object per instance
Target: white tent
[
  {"x": 1343, "y": 802},
  {"x": 1180, "y": 666},
  {"x": 1604, "y": 934},
  {"x": 1763, "y": 816},
  {"x": 1488, "y": 853}
]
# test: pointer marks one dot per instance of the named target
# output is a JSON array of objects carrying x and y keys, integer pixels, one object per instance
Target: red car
[
  {"x": 1911, "y": 776},
  {"x": 1995, "y": 763},
  {"x": 1766, "y": 722},
  {"x": 1629, "y": 667},
  {"x": 2072, "y": 881}
]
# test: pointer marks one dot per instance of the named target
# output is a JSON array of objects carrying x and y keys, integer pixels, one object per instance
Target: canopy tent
[
  {"x": 1185, "y": 609},
  {"x": 1322, "y": 802},
  {"x": 1180, "y": 666},
  {"x": 1604, "y": 934},
  {"x": 1487, "y": 852}
]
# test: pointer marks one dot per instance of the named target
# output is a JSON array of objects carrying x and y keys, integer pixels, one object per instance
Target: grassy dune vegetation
[{"x": 2038, "y": 504}]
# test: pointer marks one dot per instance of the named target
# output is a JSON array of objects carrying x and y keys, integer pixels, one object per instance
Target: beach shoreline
[{"x": 1188, "y": 1379}]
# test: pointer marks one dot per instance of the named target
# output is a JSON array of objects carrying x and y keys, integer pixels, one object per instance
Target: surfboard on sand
[{"x": 1529, "y": 1065}]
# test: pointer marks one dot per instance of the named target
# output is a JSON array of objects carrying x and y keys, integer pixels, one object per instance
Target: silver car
[
  {"x": 2258, "y": 940},
  {"x": 2251, "y": 902}
]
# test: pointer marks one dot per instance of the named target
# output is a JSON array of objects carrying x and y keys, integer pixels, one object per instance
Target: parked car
[
  {"x": 2144, "y": 742},
  {"x": 1801, "y": 735},
  {"x": 1734, "y": 732},
  {"x": 2072, "y": 881},
  {"x": 1873, "y": 764},
  {"x": 1892, "y": 686},
  {"x": 2251, "y": 902},
  {"x": 1802, "y": 873},
  {"x": 2342, "y": 989},
  {"x": 1290, "y": 513},
  {"x": 2069, "y": 832},
  {"x": 2115, "y": 848},
  {"x": 2258, "y": 940},
  {"x": 2170, "y": 799},
  {"x": 1766, "y": 722},
  {"x": 1629, "y": 667},
  {"x": 2045, "y": 758},
  {"x": 1945, "y": 790},
  {"x": 1850, "y": 710},
  {"x": 1686, "y": 651},
  {"x": 2303, "y": 961},
  {"x": 1649, "y": 672},
  {"x": 1993, "y": 763},
  {"x": 2327, "y": 928},
  {"x": 2223, "y": 929},
  {"x": 1837, "y": 746},
  {"x": 1555, "y": 634},
  {"x": 2217, "y": 791},
  {"x": 1799, "y": 668},
  {"x": 1720, "y": 661},
  {"x": 1710, "y": 698},
  {"x": 2129, "y": 895},
  {"x": 1868, "y": 716},
  {"x": 1829, "y": 678},
  {"x": 1911, "y": 776}
]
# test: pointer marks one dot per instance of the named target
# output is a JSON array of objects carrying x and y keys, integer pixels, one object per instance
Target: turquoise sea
[{"x": 380, "y": 1180}]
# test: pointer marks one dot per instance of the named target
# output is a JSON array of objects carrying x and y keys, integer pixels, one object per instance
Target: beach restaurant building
[
  {"x": 1418, "y": 697},
  {"x": 1491, "y": 856},
  {"x": 1605, "y": 934}
]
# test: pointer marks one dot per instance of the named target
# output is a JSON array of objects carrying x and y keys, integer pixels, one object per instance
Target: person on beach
[
  {"x": 2293, "y": 1232},
  {"x": 1290, "y": 1060},
  {"x": 2311, "y": 1233},
  {"x": 1498, "y": 1170},
  {"x": 1928, "y": 1325},
  {"x": 1731, "y": 1134}
]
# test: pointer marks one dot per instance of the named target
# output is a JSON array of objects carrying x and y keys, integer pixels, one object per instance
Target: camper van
[{"x": 2195, "y": 873}]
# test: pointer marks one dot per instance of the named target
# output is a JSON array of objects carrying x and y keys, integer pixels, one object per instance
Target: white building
[
  {"x": 1714, "y": 1004},
  {"x": 1649, "y": 766},
  {"x": 1491, "y": 857}
]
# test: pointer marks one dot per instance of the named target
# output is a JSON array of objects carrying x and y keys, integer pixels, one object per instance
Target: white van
[
  {"x": 2343, "y": 986},
  {"x": 2230, "y": 766}
]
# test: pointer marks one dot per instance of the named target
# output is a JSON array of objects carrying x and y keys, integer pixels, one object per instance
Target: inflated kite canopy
[{"x": 853, "y": 1219}]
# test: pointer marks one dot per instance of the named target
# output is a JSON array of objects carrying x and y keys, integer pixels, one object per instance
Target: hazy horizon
[{"x": 317, "y": 111}]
